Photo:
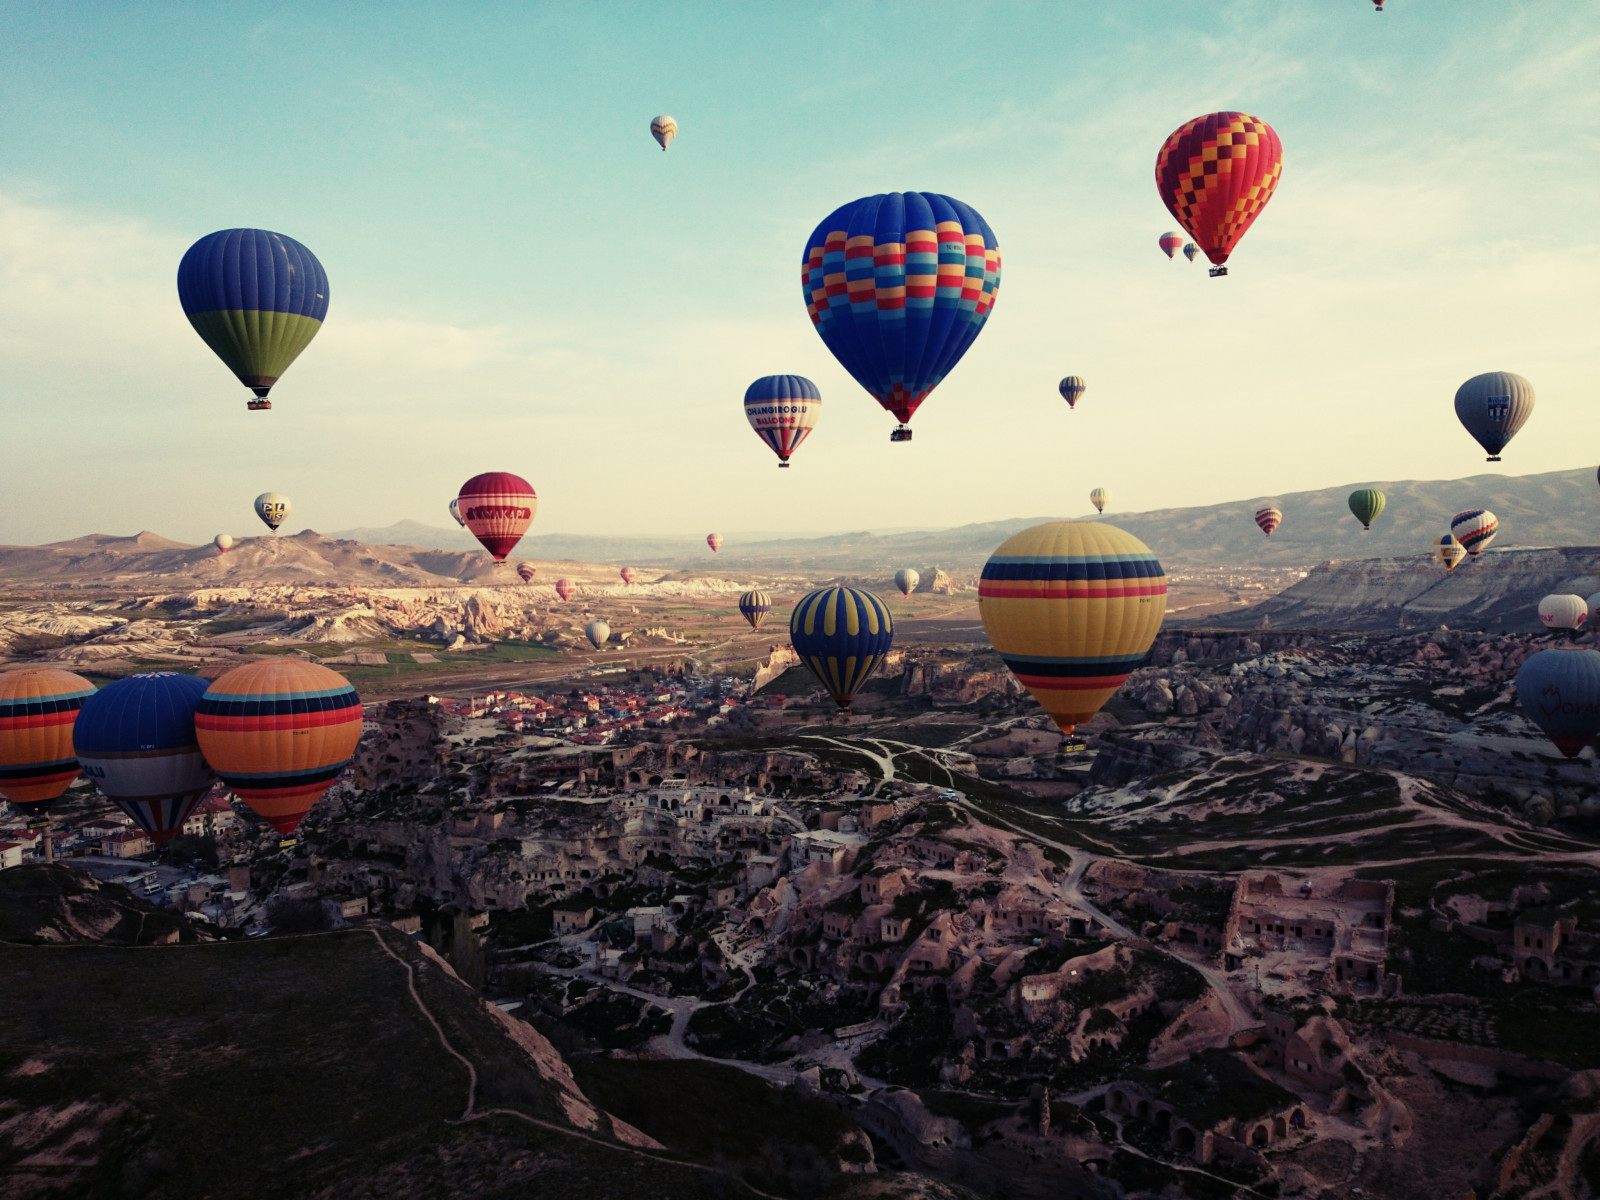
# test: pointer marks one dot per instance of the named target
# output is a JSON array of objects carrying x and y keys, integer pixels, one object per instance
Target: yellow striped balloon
[
  {"x": 1072, "y": 607},
  {"x": 842, "y": 635}
]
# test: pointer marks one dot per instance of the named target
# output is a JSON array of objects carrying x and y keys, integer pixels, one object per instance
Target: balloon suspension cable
[{"x": 1216, "y": 271}]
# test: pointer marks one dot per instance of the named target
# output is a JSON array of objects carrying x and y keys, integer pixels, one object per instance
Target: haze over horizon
[{"x": 520, "y": 280}]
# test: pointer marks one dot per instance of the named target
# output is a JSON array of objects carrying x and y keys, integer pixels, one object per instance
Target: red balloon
[
  {"x": 565, "y": 589},
  {"x": 526, "y": 571},
  {"x": 629, "y": 574},
  {"x": 714, "y": 540},
  {"x": 1215, "y": 175},
  {"x": 497, "y": 507}
]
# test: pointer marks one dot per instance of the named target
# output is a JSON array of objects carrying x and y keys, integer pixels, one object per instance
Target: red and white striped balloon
[{"x": 1269, "y": 519}]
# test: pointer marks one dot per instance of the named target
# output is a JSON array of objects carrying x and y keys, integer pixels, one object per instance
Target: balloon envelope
[
  {"x": 663, "y": 129},
  {"x": 278, "y": 733},
  {"x": 526, "y": 571},
  {"x": 1562, "y": 611},
  {"x": 754, "y": 606},
  {"x": 1269, "y": 519},
  {"x": 906, "y": 580},
  {"x": 1169, "y": 243},
  {"x": 1474, "y": 529},
  {"x": 1072, "y": 389},
  {"x": 1191, "y": 251},
  {"x": 783, "y": 410},
  {"x": 272, "y": 508},
  {"x": 842, "y": 635},
  {"x": 566, "y": 589},
  {"x": 628, "y": 575},
  {"x": 898, "y": 286},
  {"x": 1072, "y": 607},
  {"x": 598, "y": 632},
  {"x": 1449, "y": 552},
  {"x": 1215, "y": 174},
  {"x": 255, "y": 297},
  {"x": 1100, "y": 497},
  {"x": 38, "y": 708},
  {"x": 223, "y": 543},
  {"x": 1559, "y": 689},
  {"x": 714, "y": 540},
  {"x": 497, "y": 507},
  {"x": 455, "y": 511},
  {"x": 136, "y": 739},
  {"x": 1366, "y": 504},
  {"x": 1493, "y": 407}
]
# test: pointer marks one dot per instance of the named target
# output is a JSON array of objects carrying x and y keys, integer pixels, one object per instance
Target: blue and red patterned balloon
[
  {"x": 783, "y": 410},
  {"x": 899, "y": 285}
]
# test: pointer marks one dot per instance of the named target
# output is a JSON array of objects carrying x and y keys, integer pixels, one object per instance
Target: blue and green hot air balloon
[
  {"x": 899, "y": 286},
  {"x": 255, "y": 297},
  {"x": 842, "y": 635}
]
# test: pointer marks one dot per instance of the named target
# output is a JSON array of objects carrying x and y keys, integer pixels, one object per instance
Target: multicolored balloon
[
  {"x": 1474, "y": 529},
  {"x": 1366, "y": 504},
  {"x": 1593, "y": 601},
  {"x": 566, "y": 589},
  {"x": 255, "y": 297},
  {"x": 783, "y": 410},
  {"x": 223, "y": 543},
  {"x": 1563, "y": 611},
  {"x": 628, "y": 575},
  {"x": 526, "y": 571},
  {"x": 455, "y": 511},
  {"x": 1493, "y": 407},
  {"x": 598, "y": 633},
  {"x": 842, "y": 635},
  {"x": 906, "y": 580},
  {"x": 663, "y": 129},
  {"x": 1449, "y": 552},
  {"x": 279, "y": 733},
  {"x": 898, "y": 286},
  {"x": 1559, "y": 689},
  {"x": 1072, "y": 389},
  {"x": 1169, "y": 242},
  {"x": 272, "y": 508},
  {"x": 497, "y": 507},
  {"x": 714, "y": 540},
  {"x": 1190, "y": 251},
  {"x": 1100, "y": 497},
  {"x": 1215, "y": 174},
  {"x": 38, "y": 707},
  {"x": 1269, "y": 519},
  {"x": 136, "y": 739},
  {"x": 754, "y": 606},
  {"x": 1072, "y": 607}
]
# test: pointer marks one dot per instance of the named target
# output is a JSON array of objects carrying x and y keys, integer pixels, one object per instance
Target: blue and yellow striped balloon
[
  {"x": 1072, "y": 608},
  {"x": 842, "y": 635},
  {"x": 754, "y": 606}
]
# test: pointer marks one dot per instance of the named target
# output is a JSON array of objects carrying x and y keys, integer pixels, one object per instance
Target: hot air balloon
[
  {"x": 1169, "y": 243},
  {"x": 526, "y": 571},
  {"x": 1100, "y": 497},
  {"x": 38, "y": 707},
  {"x": 136, "y": 739},
  {"x": 783, "y": 410},
  {"x": 1593, "y": 603},
  {"x": 1269, "y": 519},
  {"x": 566, "y": 589},
  {"x": 899, "y": 286},
  {"x": 598, "y": 633},
  {"x": 1072, "y": 607},
  {"x": 629, "y": 575},
  {"x": 1215, "y": 175},
  {"x": 1072, "y": 389},
  {"x": 842, "y": 635},
  {"x": 906, "y": 580},
  {"x": 279, "y": 733},
  {"x": 497, "y": 507},
  {"x": 273, "y": 509},
  {"x": 663, "y": 129},
  {"x": 1493, "y": 407},
  {"x": 455, "y": 511},
  {"x": 223, "y": 543},
  {"x": 1474, "y": 529},
  {"x": 754, "y": 606},
  {"x": 1562, "y": 611},
  {"x": 1366, "y": 504},
  {"x": 1559, "y": 689},
  {"x": 1190, "y": 251},
  {"x": 714, "y": 540},
  {"x": 257, "y": 299},
  {"x": 1449, "y": 552}
]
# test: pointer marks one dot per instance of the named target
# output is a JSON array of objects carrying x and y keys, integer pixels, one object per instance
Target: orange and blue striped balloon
[
  {"x": 38, "y": 708},
  {"x": 754, "y": 606},
  {"x": 279, "y": 733},
  {"x": 842, "y": 635},
  {"x": 1072, "y": 607}
]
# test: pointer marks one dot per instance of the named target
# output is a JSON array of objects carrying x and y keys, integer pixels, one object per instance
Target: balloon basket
[
  {"x": 1216, "y": 271},
  {"x": 1492, "y": 458},
  {"x": 783, "y": 466},
  {"x": 900, "y": 434},
  {"x": 258, "y": 405}
]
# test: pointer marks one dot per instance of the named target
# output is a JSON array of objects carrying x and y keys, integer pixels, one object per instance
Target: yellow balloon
[{"x": 1072, "y": 607}]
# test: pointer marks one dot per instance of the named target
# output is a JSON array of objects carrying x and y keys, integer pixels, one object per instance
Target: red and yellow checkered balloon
[{"x": 1215, "y": 174}]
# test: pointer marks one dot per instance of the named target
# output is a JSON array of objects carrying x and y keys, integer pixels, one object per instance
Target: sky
[{"x": 521, "y": 280}]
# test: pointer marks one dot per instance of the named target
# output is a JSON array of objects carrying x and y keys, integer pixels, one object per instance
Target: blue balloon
[
  {"x": 899, "y": 285},
  {"x": 842, "y": 635},
  {"x": 1559, "y": 689},
  {"x": 135, "y": 738}
]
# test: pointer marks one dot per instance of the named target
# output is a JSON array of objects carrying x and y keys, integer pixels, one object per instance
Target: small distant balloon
[
  {"x": 1493, "y": 407},
  {"x": 1072, "y": 389},
  {"x": 223, "y": 543},
  {"x": 714, "y": 540},
  {"x": 455, "y": 511},
  {"x": 664, "y": 129},
  {"x": 273, "y": 509},
  {"x": 783, "y": 410},
  {"x": 1563, "y": 611},
  {"x": 1366, "y": 504},
  {"x": 598, "y": 633},
  {"x": 566, "y": 589},
  {"x": 754, "y": 606},
  {"x": 629, "y": 575},
  {"x": 842, "y": 635},
  {"x": 1474, "y": 529},
  {"x": 906, "y": 580},
  {"x": 1449, "y": 552},
  {"x": 1190, "y": 251},
  {"x": 1100, "y": 497},
  {"x": 526, "y": 571},
  {"x": 1269, "y": 519},
  {"x": 1170, "y": 242}
]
